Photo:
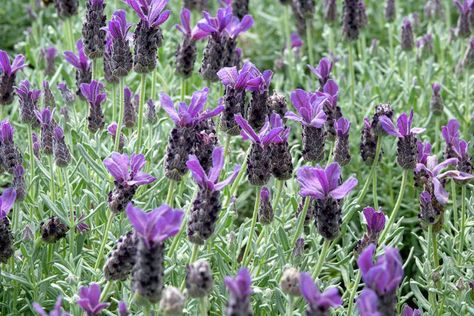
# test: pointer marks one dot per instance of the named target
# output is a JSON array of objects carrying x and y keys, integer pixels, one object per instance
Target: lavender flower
[
  {"x": 407, "y": 41},
  {"x": 430, "y": 209},
  {"x": 11, "y": 156},
  {"x": 239, "y": 289},
  {"x": 363, "y": 20},
  {"x": 151, "y": 112},
  {"x": 7, "y": 76},
  {"x": 463, "y": 26},
  {"x": 62, "y": 155},
  {"x": 436, "y": 103},
  {"x": 207, "y": 204},
  {"x": 464, "y": 159},
  {"x": 130, "y": 115},
  {"x": 152, "y": 229},
  {"x": 330, "y": 11},
  {"x": 425, "y": 46},
  {"x": 265, "y": 211},
  {"x": 375, "y": 221},
  {"x": 367, "y": 303},
  {"x": 342, "y": 153},
  {"x": 303, "y": 10},
  {"x": 19, "y": 182},
  {"x": 199, "y": 280},
  {"x": 318, "y": 303},
  {"x": 407, "y": 150},
  {"x": 48, "y": 97},
  {"x": 277, "y": 104},
  {"x": 93, "y": 31},
  {"x": 186, "y": 52},
  {"x": 390, "y": 11},
  {"x": 49, "y": 55},
  {"x": 323, "y": 185},
  {"x": 322, "y": 71},
  {"x": 53, "y": 230},
  {"x": 368, "y": 142},
  {"x": 36, "y": 145},
  {"x": 290, "y": 281},
  {"x": 233, "y": 30},
  {"x": 383, "y": 277},
  {"x": 121, "y": 259},
  {"x": 450, "y": 133},
  {"x": 330, "y": 92},
  {"x": 198, "y": 5},
  {"x": 148, "y": 35},
  {"x": 67, "y": 95},
  {"x": 82, "y": 64},
  {"x": 7, "y": 199},
  {"x": 258, "y": 110},
  {"x": 350, "y": 21},
  {"x": 128, "y": 177},
  {"x": 66, "y": 8},
  {"x": 58, "y": 310},
  {"x": 258, "y": 161},
  {"x": 89, "y": 300},
  {"x": 112, "y": 131},
  {"x": 172, "y": 302},
  {"x": 312, "y": 117},
  {"x": 117, "y": 55},
  {"x": 95, "y": 97},
  {"x": 122, "y": 309},
  {"x": 408, "y": 311},
  {"x": 28, "y": 100}
]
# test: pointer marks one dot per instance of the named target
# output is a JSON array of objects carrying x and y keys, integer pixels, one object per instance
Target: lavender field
[{"x": 236, "y": 157}]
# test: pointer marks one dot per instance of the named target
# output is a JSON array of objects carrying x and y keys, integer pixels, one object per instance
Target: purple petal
[
  {"x": 308, "y": 289},
  {"x": 247, "y": 131},
  {"x": 228, "y": 76},
  {"x": 168, "y": 106},
  {"x": 388, "y": 126},
  {"x": 197, "y": 171},
  {"x": 217, "y": 164},
  {"x": 344, "y": 189},
  {"x": 229, "y": 180}
]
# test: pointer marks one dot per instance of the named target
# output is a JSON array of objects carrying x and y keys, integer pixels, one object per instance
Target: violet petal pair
[
  {"x": 330, "y": 91},
  {"x": 424, "y": 150},
  {"x": 322, "y": 183},
  {"x": 89, "y": 300},
  {"x": 367, "y": 303},
  {"x": 342, "y": 127},
  {"x": 57, "y": 311},
  {"x": 323, "y": 70},
  {"x": 6, "y": 132},
  {"x": 44, "y": 116},
  {"x": 236, "y": 26},
  {"x": 277, "y": 122},
  {"x": 309, "y": 108},
  {"x": 214, "y": 25},
  {"x": 26, "y": 94},
  {"x": 404, "y": 124},
  {"x": 127, "y": 169},
  {"x": 265, "y": 136},
  {"x": 209, "y": 181},
  {"x": 93, "y": 92},
  {"x": 375, "y": 219},
  {"x": 450, "y": 132},
  {"x": 79, "y": 61},
  {"x": 240, "y": 285},
  {"x": 239, "y": 79},
  {"x": 313, "y": 296},
  {"x": 7, "y": 199},
  {"x": 150, "y": 11},
  {"x": 118, "y": 27},
  {"x": 185, "y": 26},
  {"x": 10, "y": 69}
]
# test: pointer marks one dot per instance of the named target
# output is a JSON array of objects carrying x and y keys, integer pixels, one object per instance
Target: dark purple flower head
[
  {"x": 450, "y": 132},
  {"x": 264, "y": 137},
  {"x": 236, "y": 26},
  {"x": 112, "y": 129},
  {"x": 342, "y": 127},
  {"x": 10, "y": 69},
  {"x": 214, "y": 25},
  {"x": 6, "y": 132},
  {"x": 89, "y": 300},
  {"x": 424, "y": 150},
  {"x": 240, "y": 285},
  {"x": 118, "y": 27},
  {"x": 463, "y": 7},
  {"x": 461, "y": 149},
  {"x": 407, "y": 24},
  {"x": 96, "y": 3},
  {"x": 296, "y": 40},
  {"x": 264, "y": 195},
  {"x": 57, "y": 311},
  {"x": 93, "y": 92},
  {"x": 408, "y": 311},
  {"x": 261, "y": 82},
  {"x": 7, "y": 199},
  {"x": 321, "y": 184},
  {"x": 277, "y": 122},
  {"x": 316, "y": 300},
  {"x": 45, "y": 116},
  {"x": 367, "y": 303},
  {"x": 436, "y": 87},
  {"x": 404, "y": 123},
  {"x": 385, "y": 275},
  {"x": 150, "y": 11},
  {"x": 190, "y": 115},
  {"x": 323, "y": 70},
  {"x": 68, "y": 96},
  {"x": 209, "y": 181},
  {"x": 58, "y": 133},
  {"x": 425, "y": 197},
  {"x": 375, "y": 220},
  {"x": 25, "y": 94},
  {"x": 122, "y": 309},
  {"x": 127, "y": 169},
  {"x": 238, "y": 79},
  {"x": 157, "y": 225},
  {"x": 79, "y": 61},
  {"x": 330, "y": 91},
  {"x": 309, "y": 107},
  {"x": 50, "y": 53}
]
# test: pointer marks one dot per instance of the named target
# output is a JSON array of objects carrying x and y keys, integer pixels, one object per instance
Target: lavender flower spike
[
  {"x": 186, "y": 52},
  {"x": 128, "y": 176},
  {"x": 62, "y": 155},
  {"x": 58, "y": 310},
  {"x": 89, "y": 300},
  {"x": 322, "y": 71},
  {"x": 406, "y": 146},
  {"x": 7, "y": 76},
  {"x": 318, "y": 303},
  {"x": 45, "y": 117},
  {"x": 28, "y": 103},
  {"x": 407, "y": 41},
  {"x": 93, "y": 31},
  {"x": 233, "y": 30},
  {"x": 282, "y": 165},
  {"x": 450, "y": 133},
  {"x": 117, "y": 55},
  {"x": 49, "y": 55},
  {"x": 240, "y": 289},
  {"x": 436, "y": 103},
  {"x": 342, "y": 153},
  {"x": 82, "y": 64},
  {"x": 259, "y": 163},
  {"x": 464, "y": 8},
  {"x": 7, "y": 199},
  {"x": 95, "y": 97},
  {"x": 375, "y": 221},
  {"x": 207, "y": 204}
]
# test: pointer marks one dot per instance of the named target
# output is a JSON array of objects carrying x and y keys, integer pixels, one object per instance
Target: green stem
[
  {"x": 252, "y": 226},
  {"x": 104, "y": 294},
  {"x": 227, "y": 145},
  {"x": 463, "y": 219},
  {"x": 309, "y": 39},
  {"x": 322, "y": 258},
  {"x": 183, "y": 89},
  {"x": 169, "y": 195},
  {"x": 114, "y": 104},
  {"x": 280, "y": 184},
  {"x": 51, "y": 182},
  {"x": 121, "y": 113},
  {"x": 390, "y": 41},
  {"x": 32, "y": 161},
  {"x": 301, "y": 219},
  {"x": 177, "y": 238},
  {"x": 71, "y": 210},
  {"x": 431, "y": 294},
  {"x": 352, "y": 73},
  {"x": 140, "y": 110},
  {"x": 153, "y": 85},
  {"x": 396, "y": 208},
  {"x": 289, "y": 306},
  {"x": 353, "y": 293},
  {"x": 203, "y": 306},
  {"x": 104, "y": 240},
  {"x": 94, "y": 69},
  {"x": 455, "y": 202}
]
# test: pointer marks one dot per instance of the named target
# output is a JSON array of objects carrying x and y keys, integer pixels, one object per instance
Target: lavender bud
[
  {"x": 121, "y": 259},
  {"x": 428, "y": 213},
  {"x": 298, "y": 250},
  {"x": 350, "y": 22},
  {"x": 328, "y": 218},
  {"x": 434, "y": 9},
  {"x": 148, "y": 271},
  {"x": 19, "y": 182},
  {"x": 64, "y": 113},
  {"x": 199, "y": 280},
  {"x": 290, "y": 281},
  {"x": 230, "y": 45},
  {"x": 437, "y": 104},
  {"x": 48, "y": 97},
  {"x": 130, "y": 116},
  {"x": 303, "y": 10},
  {"x": 363, "y": 20},
  {"x": 425, "y": 46},
  {"x": 49, "y": 55},
  {"x": 258, "y": 109},
  {"x": 66, "y": 8},
  {"x": 95, "y": 119},
  {"x": 147, "y": 40},
  {"x": 93, "y": 32},
  {"x": 463, "y": 27},
  {"x": 180, "y": 144},
  {"x": 313, "y": 143},
  {"x": 390, "y": 11},
  {"x": 212, "y": 59},
  {"x": 368, "y": 143},
  {"x": 28, "y": 100},
  {"x": 282, "y": 165},
  {"x": 265, "y": 211},
  {"x": 172, "y": 302},
  {"x": 27, "y": 234},
  {"x": 259, "y": 168},
  {"x": 11, "y": 156},
  {"x": 277, "y": 103},
  {"x": 407, "y": 41},
  {"x": 53, "y": 230},
  {"x": 61, "y": 151},
  {"x": 204, "y": 214},
  {"x": 121, "y": 195},
  {"x": 330, "y": 11},
  {"x": 186, "y": 57},
  {"x": 234, "y": 103},
  {"x": 151, "y": 112},
  {"x": 109, "y": 70},
  {"x": 6, "y": 88},
  {"x": 240, "y": 8},
  {"x": 342, "y": 153},
  {"x": 36, "y": 145},
  {"x": 67, "y": 95},
  {"x": 6, "y": 240}
]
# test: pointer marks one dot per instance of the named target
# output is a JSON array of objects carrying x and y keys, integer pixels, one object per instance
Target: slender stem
[
  {"x": 140, "y": 110},
  {"x": 104, "y": 240},
  {"x": 121, "y": 113},
  {"x": 169, "y": 195},
  {"x": 51, "y": 182},
  {"x": 463, "y": 219},
  {"x": 393, "y": 216},
  {"x": 435, "y": 250},
  {"x": 153, "y": 85},
  {"x": 431, "y": 295},
  {"x": 71, "y": 209},
  {"x": 353, "y": 293},
  {"x": 114, "y": 100},
  {"x": 227, "y": 145},
  {"x": 289, "y": 306},
  {"x": 104, "y": 294},
  {"x": 203, "y": 306},
  {"x": 94, "y": 69},
  {"x": 455, "y": 202},
  {"x": 301, "y": 219},
  {"x": 252, "y": 225},
  {"x": 183, "y": 88},
  {"x": 309, "y": 39},
  {"x": 322, "y": 258},
  {"x": 32, "y": 160},
  {"x": 390, "y": 41},
  {"x": 280, "y": 184},
  {"x": 352, "y": 73}
]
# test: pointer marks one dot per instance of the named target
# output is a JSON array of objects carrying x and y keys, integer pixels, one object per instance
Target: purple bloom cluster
[
  {"x": 318, "y": 303},
  {"x": 82, "y": 64},
  {"x": 7, "y": 199},
  {"x": 240, "y": 290},
  {"x": 8, "y": 75}
]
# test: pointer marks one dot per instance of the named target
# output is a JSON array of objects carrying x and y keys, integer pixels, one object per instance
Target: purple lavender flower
[
  {"x": 368, "y": 142},
  {"x": 312, "y": 117},
  {"x": 117, "y": 55},
  {"x": 322, "y": 71},
  {"x": 323, "y": 186},
  {"x": 92, "y": 92},
  {"x": 464, "y": 8},
  {"x": 19, "y": 182},
  {"x": 82, "y": 64},
  {"x": 207, "y": 204},
  {"x": 49, "y": 55},
  {"x": 318, "y": 303},
  {"x": 436, "y": 103},
  {"x": 450, "y": 133},
  {"x": 464, "y": 159},
  {"x": 240, "y": 290},
  {"x": 7, "y": 199},
  {"x": 430, "y": 209},
  {"x": 258, "y": 110},
  {"x": 258, "y": 161},
  {"x": 407, "y": 41},
  {"x": 424, "y": 151},
  {"x": 330, "y": 11},
  {"x": 130, "y": 115},
  {"x": 186, "y": 52},
  {"x": 350, "y": 22},
  {"x": 112, "y": 130},
  {"x": 28, "y": 103},
  {"x": 7, "y": 76},
  {"x": 199, "y": 279},
  {"x": 383, "y": 277},
  {"x": 67, "y": 95},
  {"x": 265, "y": 211},
  {"x": 408, "y": 311},
  {"x": 62, "y": 155},
  {"x": 148, "y": 36},
  {"x": 89, "y": 300},
  {"x": 66, "y": 8},
  {"x": 375, "y": 221},
  {"x": 282, "y": 165},
  {"x": 342, "y": 154},
  {"x": 390, "y": 11},
  {"x": 53, "y": 229},
  {"x": 198, "y": 5},
  {"x": 425, "y": 46},
  {"x": 36, "y": 145},
  {"x": 122, "y": 309},
  {"x": 363, "y": 20},
  {"x": 330, "y": 92},
  {"x": 151, "y": 112},
  {"x": 233, "y": 30},
  {"x": 295, "y": 40},
  {"x": 152, "y": 229},
  {"x": 93, "y": 31},
  {"x": 434, "y": 9},
  {"x": 367, "y": 303},
  {"x": 122, "y": 258},
  {"x": 303, "y": 10},
  {"x": 48, "y": 97},
  {"x": 57, "y": 311},
  {"x": 10, "y": 155},
  {"x": 406, "y": 147}
]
